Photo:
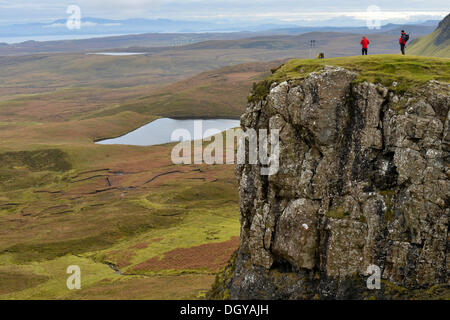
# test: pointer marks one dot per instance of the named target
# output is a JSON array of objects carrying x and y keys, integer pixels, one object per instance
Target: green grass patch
[
  {"x": 206, "y": 213},
  {"x": 40, "y": 160},
  {"x": 406, "y": 71},
  {"x": 388, "y": 196},
  {"x": 338, "y": 213},
  {"x": 25, "y": 253},
  {"x": 17, "y": 281},
  {"x": 260, "y": 90}
]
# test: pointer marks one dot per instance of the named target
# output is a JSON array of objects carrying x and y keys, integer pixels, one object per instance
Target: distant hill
[
  {"x": 218, "y": 93},
  {"x": 436, "y": 44},
  {"x": 149, "y": 40},
  {"x": 104, "y": 27},
  {"x": 100, "y": 34},
  {"x": 430, "y": 23},
  {"x": 331, "y": 43},
  {"x": 421, "y": 29},
  {"x": 302, "y": 41}
]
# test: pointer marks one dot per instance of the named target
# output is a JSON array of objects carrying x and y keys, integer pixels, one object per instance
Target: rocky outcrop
[{"x": 363, "y": 180}]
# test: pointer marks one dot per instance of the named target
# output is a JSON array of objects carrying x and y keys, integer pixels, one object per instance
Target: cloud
[
  {"x": 119, "y": 4},
  {"x": 251, "y": 10}
]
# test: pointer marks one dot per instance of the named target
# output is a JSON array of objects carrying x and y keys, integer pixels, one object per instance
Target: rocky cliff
[
  {"x": 444, "y": 31},
  {"x": 363, "y": 181}
]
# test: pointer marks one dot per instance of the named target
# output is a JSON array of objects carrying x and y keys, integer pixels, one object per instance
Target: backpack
[{"x": 406, "y": 37}]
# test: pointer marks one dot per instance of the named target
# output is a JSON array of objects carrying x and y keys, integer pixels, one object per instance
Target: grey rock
[{"x": 363, "y": 180}]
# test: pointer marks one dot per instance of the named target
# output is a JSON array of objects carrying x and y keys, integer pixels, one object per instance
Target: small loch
[{"x": 162, "y": 131}]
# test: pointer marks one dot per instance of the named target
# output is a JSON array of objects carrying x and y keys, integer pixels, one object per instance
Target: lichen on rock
[{"x": 363, "y": 180}]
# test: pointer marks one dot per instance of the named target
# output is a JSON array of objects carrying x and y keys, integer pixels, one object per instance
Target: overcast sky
[{"x": 24, "y": 11}]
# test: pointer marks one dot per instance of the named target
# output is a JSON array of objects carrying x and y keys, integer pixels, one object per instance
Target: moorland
[{"x": 137, "y": 225}]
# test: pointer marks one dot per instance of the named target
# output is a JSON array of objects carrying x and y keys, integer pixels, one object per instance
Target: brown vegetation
[{"x": 210, "y": 256}]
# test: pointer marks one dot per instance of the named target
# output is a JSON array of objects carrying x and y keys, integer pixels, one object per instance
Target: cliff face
[{"x": 363, "y": 180}]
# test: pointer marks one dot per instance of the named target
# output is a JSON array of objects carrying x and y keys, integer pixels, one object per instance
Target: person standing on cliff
[
  {"x": 402, "y": 41},
  {"x": 365, "y": 44}
]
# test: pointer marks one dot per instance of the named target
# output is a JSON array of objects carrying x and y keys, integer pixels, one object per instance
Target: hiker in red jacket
[
  {"x": 402, "y": 41},
  {"x": 365, "y": 43}
]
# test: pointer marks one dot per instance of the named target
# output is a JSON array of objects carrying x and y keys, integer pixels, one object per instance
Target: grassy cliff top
[{"x": 407, "y": 71}]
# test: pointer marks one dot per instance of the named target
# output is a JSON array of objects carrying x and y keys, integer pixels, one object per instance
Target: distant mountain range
[
  {"x": 97, "y": 26},
  {"x": 331, "y": 43},
  {"x": 416, "y": 29}
]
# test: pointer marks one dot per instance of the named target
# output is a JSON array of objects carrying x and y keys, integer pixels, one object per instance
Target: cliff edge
[{"x": 363, "y": 183}]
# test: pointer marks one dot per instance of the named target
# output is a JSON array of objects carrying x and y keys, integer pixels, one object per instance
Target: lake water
[
  {"x": 117, "y": 53},
  {"x": 160, "y": 131}
]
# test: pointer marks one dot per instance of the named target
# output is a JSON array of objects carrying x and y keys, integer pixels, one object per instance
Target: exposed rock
[
  {"x": 363, "y": 180},
  {"x": 444, "y": 31}
]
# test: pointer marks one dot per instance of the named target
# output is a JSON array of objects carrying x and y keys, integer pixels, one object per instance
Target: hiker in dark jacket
[
  {"x": 402, "y": 41},
  {"x": 365, "y": 44}
]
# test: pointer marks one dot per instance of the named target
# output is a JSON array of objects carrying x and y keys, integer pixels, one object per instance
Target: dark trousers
[
  {"x": 364, "y": 51},
  {"x": 402, "y": 48}
]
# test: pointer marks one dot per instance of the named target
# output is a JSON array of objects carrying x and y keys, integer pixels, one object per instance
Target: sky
[{"x": 264, "y": 11}]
